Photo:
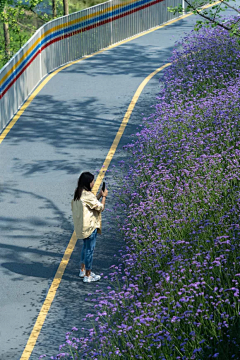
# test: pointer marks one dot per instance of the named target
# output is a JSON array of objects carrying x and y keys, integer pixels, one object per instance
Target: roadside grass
[{"x": 175, "y": 292}]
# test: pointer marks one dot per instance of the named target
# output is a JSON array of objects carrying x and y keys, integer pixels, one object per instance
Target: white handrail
[{"x": 71, "y": 37}]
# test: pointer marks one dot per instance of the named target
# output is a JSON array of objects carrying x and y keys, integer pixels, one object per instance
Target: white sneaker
[
  {"x": 94, "y": 275},
  {"x": 82, "y": 273},
  {"x": 91, "y": 278}
]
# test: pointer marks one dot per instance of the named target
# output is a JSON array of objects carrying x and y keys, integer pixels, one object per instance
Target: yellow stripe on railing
[{"x": 58, "y": 27}]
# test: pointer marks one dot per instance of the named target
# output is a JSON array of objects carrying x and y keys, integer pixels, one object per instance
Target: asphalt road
[{"x": 68, "y": 128}]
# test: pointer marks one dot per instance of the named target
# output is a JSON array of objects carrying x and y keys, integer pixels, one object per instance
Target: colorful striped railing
[{"x": 71, "y": 37}]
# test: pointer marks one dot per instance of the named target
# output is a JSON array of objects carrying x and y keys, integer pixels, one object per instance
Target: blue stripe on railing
[{"x": 69, "y": 29}]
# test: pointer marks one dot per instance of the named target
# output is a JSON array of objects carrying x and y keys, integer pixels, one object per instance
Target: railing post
[
  {"x": 56, "y": 52},
  {"x": 183, "y": 6},
  {"x": 40, "y": 62},
  {"x": 111, "y": 21}
]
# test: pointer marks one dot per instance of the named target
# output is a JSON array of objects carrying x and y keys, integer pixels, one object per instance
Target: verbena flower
[{"x": 178, "y": 211}]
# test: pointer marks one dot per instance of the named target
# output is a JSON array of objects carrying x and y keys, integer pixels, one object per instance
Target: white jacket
[{"x": 87, "y": 215}]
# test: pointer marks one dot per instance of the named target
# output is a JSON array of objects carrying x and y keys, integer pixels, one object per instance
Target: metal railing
[{"x": 72, "y": 37}]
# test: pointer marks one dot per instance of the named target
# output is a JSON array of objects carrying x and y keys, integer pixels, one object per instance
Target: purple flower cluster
[
  {"x": 206, "y": 61},
  {"x": 175, "y": 292}
]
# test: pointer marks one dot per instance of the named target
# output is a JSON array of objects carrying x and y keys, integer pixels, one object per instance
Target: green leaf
[
  {"x": 175, "y": 9},
  {"x": 2, "y": 5}
]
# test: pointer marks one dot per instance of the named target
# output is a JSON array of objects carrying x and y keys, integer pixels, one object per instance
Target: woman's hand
[
  {"x": 105, "y": 192},
  {"x": 102, "y": 193},
  {"x": 99, "y": 195}
]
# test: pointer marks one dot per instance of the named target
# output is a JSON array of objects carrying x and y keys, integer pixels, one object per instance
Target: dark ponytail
[{"x": 84, "y": 182}]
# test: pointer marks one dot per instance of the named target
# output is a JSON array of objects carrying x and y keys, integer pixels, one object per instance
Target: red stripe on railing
[
  {"x": 19, "y": 74},
  {"x": 99, "y": 24},
  {"x": 74, "y": 33}
]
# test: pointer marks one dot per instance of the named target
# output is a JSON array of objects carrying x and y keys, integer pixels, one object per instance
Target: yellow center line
[
  {"x": 81, "y": 19},
  {"x": 68, "y": 252},
  {"x": 62, "y": 266},
  {"x": 49, "y": 77},
  {"x": 122, "y": 128}
]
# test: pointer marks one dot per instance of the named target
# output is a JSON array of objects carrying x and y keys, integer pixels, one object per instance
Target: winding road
[{"x": 68, "y": 128}]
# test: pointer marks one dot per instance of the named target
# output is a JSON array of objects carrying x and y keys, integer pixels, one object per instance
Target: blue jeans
[{"x": 88, "y": 249}]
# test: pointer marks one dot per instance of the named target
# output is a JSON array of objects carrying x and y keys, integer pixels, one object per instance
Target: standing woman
[{"x": 86, "y": 210}]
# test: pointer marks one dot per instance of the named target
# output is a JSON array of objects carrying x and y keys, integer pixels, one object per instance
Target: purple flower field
[{"x": 175, "y": 292}]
